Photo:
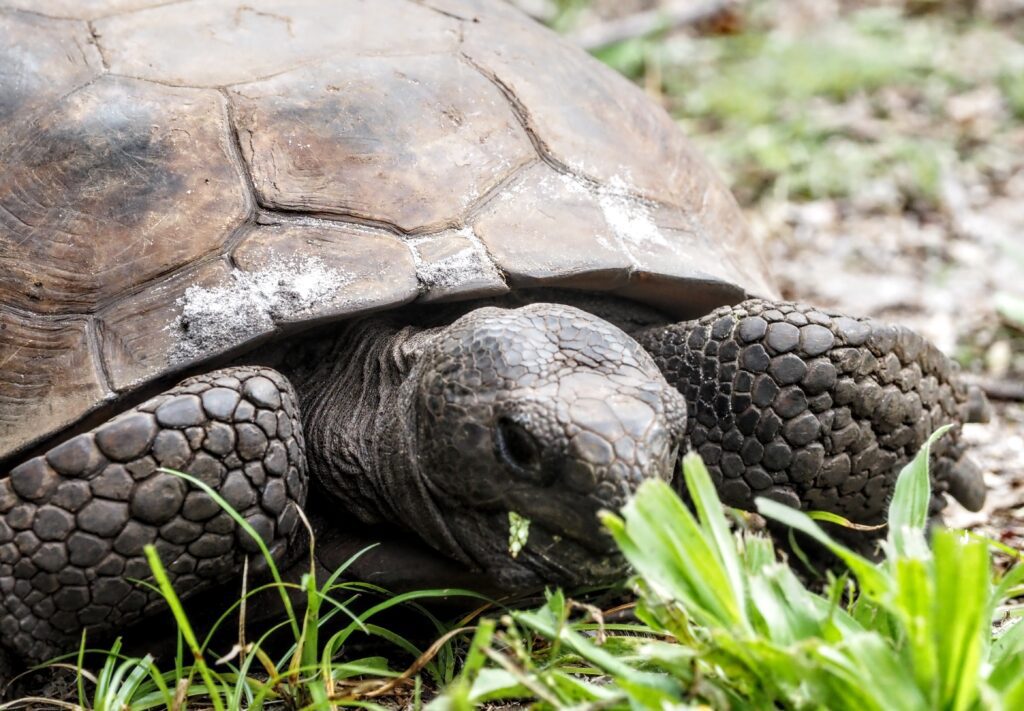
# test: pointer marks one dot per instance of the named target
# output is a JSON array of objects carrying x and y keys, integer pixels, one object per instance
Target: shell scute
[
  {"x": 454, "y": 265},
  {"x": 408, "y": 141},
  {"x": 48, "y": 375},
  {"x": 139, "y": 333},
  {"x": 608, "y": 131},
  {"x": 217, "y": 43},
  {"x": 327, "y": 272},
  {"x": 546, "y": 228},
  {"x": 120, "y": 182},
  {"x": 281, "y": 275},
  {"x": 42, "y": 59}
]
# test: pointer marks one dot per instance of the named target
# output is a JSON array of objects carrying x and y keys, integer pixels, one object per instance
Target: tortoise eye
[{"x": 517, "y": 448}]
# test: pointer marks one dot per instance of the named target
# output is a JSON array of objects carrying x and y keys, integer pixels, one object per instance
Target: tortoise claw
[
  {"x": 978, "y": 409},
  {"x": 966, "y": 484}
]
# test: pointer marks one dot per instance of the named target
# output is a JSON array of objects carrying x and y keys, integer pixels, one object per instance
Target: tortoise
[{"x": 414, "y": 269}]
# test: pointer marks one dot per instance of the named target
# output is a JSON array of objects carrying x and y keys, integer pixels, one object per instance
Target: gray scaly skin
[
  {"x": 815, "y": 409},
  {"x": 546, "y": 410},
  {"x": 75, "y": 520}
]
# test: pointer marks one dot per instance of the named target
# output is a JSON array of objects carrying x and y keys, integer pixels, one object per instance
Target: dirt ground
[{"x": 878, "y": 150}]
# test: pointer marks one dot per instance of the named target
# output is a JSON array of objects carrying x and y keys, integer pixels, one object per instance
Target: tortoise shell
[{"x": 184, "y": 180}]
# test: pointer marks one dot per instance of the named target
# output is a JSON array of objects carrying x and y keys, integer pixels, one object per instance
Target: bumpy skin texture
[
  {"x": 813, "y": 409},
  {"x": 75, "y": 520}
]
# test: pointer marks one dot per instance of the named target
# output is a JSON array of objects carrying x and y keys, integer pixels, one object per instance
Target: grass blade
[
  {"x": 962, "y": 615},
  {"x": 908, "y": 512},
  {"x": 716, "y": 528},
  {"x": 245, "y": 526},
  {"x": 180, "y": 618}
]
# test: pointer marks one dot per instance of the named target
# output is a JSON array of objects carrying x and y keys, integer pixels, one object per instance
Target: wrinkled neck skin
[
  {"x": 542, "y": 413},
  {"x": 357, "y": 398}
]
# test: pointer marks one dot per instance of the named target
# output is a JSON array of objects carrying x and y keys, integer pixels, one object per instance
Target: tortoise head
[{"x": 528, "y": 422}]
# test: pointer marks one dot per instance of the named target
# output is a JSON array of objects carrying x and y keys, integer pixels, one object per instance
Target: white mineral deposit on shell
[
  {"x": 572, "y": 184},
  {"x": 219, "y": 317},
  {"x": 627, "y": 216},
  {"x": 469, "y": 264},
  {"x": 452, "y": 269}
]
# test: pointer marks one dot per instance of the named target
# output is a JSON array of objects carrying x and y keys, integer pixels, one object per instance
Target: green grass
[
  {"x": 720, "y": 621},
  {"x": 778, "y": 96},
  {"x": 723, "y": 623}
]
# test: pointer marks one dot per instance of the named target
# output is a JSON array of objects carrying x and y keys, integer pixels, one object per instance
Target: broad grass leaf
[
  {"x": 667, "y": 546},
  {"x": 908, "y": 511},
  {"x": 716, "y": 528},
  {"x": 872, "y": 581},
  {"x": 788, "y": 612},
  {"x": 962, "y": 616},
  {"x": 1007, "y": 676},
  {"x": 913, "y": 604},
  {"x": 864, "y": 672},
  {"x": 493, "y": 684}
]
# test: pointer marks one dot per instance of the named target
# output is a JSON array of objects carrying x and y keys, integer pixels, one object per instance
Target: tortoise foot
[
  {"x": 816, "y": 410},
  {"x": 76, "y": 519}
]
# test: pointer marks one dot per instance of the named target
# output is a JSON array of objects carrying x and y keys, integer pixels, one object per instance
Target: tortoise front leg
[
  {"x": 814, "y": 409},
  {"x": 75, "y": 520}
]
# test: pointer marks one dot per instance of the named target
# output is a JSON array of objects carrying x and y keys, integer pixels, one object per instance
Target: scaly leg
[
  {"x": 813, "y": 409},
  {"x": 75, "y": 520}
]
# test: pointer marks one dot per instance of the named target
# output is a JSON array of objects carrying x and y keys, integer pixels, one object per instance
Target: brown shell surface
[{"x": 184, "y": 179}]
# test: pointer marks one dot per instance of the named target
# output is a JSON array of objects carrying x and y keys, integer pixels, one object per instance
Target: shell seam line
[
  {"x": 156, "y": 282},
  {"x": 343, "y": 219},
  {"x": 439, "y": 11},
  {"x": 237, "y": 157},
  {"x": 92, "y": 337},
  {"x": 94, "y": 37},
  {"x": 520, "y": 111},
  {"x": 523, "y": 116}
]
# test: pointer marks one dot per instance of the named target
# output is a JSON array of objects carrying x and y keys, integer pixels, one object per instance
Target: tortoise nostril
[{"x": 517, "y": 447}]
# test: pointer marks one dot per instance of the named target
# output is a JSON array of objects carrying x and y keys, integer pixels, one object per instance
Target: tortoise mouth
[
  {"x": 557, "y": 556},
  {"x": 523, "y": 553}
]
